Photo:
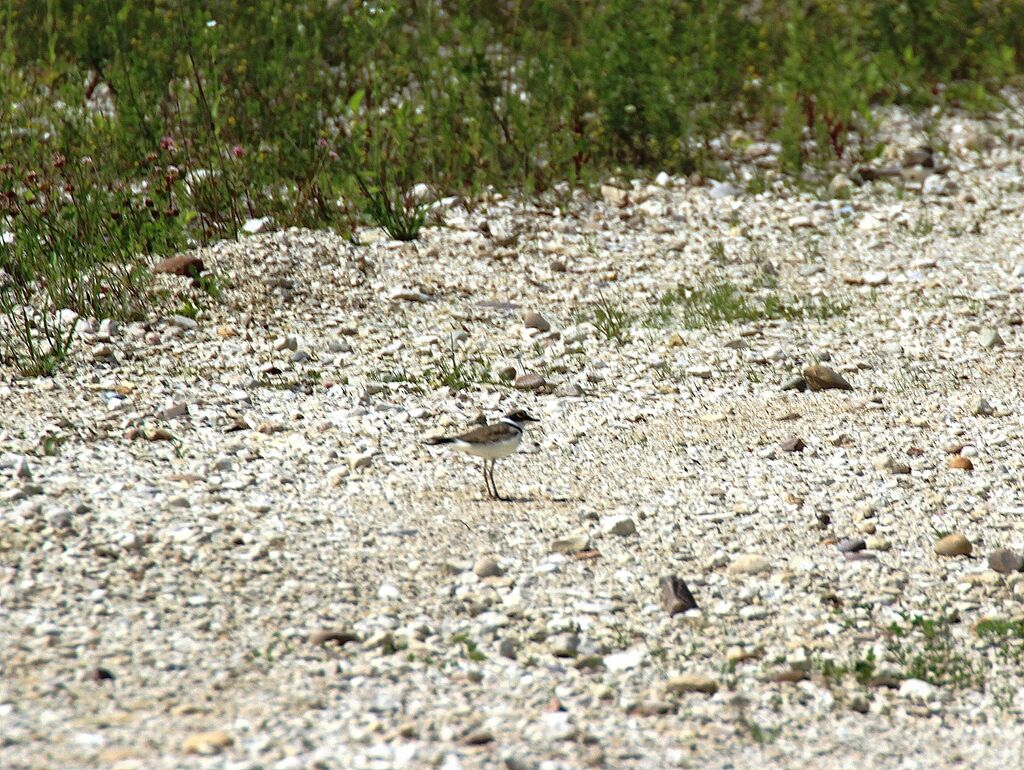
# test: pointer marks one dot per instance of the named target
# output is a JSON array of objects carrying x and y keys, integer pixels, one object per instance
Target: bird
[{"x": 492, "y": 442}]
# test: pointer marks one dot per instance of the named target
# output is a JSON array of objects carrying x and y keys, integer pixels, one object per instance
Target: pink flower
[
  {"x": 167, "y": 143},
  {"x": 321, "y": 142},
  {"x": 238, "y": 151}
]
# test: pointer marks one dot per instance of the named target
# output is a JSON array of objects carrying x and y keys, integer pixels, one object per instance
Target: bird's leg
[
  {"x": 487, "y": 479},
  {"x": 495, "y": 486}
]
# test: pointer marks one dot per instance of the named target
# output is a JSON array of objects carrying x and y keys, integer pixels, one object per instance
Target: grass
[
  {"x": 611, "y": 321},
  {"x": 134, "y": 130},
  {"x": 724, "y": 303},
  {"x": 459, "y": 372}
]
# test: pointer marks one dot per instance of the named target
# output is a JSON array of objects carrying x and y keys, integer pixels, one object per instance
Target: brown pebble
[
  {"x": 211, "y": 742},
  {"x": 961, "y": 463},
  {"x": 821, "y": 377},
  {"x": 1004, "y": 561},
  {"x": 529, "y": 381},
  {"x": 186, "y": 265},
  {"x": 338, "y": 636},
  {"x": 676, "y": 596},
  {"x": 954, "y": 545},
  {"x": 793, "y": 445}
]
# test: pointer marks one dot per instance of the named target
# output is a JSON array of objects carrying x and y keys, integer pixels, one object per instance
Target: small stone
[
  {"x": 558, "y": 266},
  {"x": 183, "y": 322},
  {"x": 332, "y": 635},
  {"x": 22, "y": 470},
  {"x": 876, "y": 278},
  {"x": 794, "y": 383},
  {"x": 954, "y": 545},
  {"x": 506, "y": 373},
  {"x": 479, "y": 737},
  {"x": 675, "y": 595},
  {"x": 102, "y": 351},
  {"x": 173, "y": 410},
  {"x": 1005, "y": 561},
  {"x": 887, "y": 464},
  {"x": 878, "y": 544},
  {"x": 564, "y": 645},
  {"x": 507, "y": 648},
  {"x": 211, "y": 742},
  {"x": 961, "y": 463},
  {"x": 918, "y": 690},
  {"x": 571, "y": 544},
  {"x": 990, "y": 338},
  {"x": 684, "y": 683},
  {"x": 983, "y": 408},
  {"x": 487, "y": 566},
  {"x": 361, "y": 459},
  {"x": 821, "y": 377},
  {"x": 613, "y": 196},
  {"x": 256, "y": 225},
  {"x": 185, "y": 265},
  {"x": 793, "y": 445},
  {"x": 749, "y": 564},
  {"x": 536, "y": 321},
  {"x": 100, "y": 674},
  {"x": 622, "y": 526},
  {"x": 852, "y": 545},
  {"x": 529, "y": 381},
  {"x": 408, "y": 295}
]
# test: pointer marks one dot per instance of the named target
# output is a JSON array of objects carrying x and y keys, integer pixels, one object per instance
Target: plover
[{"x": 492, "y": 442}]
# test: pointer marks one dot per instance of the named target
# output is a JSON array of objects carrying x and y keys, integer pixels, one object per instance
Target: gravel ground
[{"x": 224, "y": 543}]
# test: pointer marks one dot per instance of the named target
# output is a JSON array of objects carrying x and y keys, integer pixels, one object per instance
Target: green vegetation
[
  {"x": 130, "y": 129},
  {"x": 459, "y": 372},
  {"x": 724, "y": 302}
]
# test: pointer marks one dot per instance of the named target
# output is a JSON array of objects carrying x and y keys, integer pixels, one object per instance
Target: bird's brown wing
[{"x": 487, "y": 434}]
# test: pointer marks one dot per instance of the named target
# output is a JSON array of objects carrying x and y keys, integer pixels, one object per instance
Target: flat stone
[
  {"x": 961, "y": 463},
  {"x": 185, "y": 265},
  {"x": 918, "y": 690},
  {"x": 618, "y": 525},
  {"x": 529, "y": 381},
  {"x": 821, "y": 377},
  {"x": 336, "y": 636},
  {"x": 793, "y": 445},
  {"x": 684, "y": 683},
  {"x": 571, "y": 544},
  {"x": 183, "y": 322},
  {"x": 954, "y": 545},
  {"x": 982, "y": 408},
  {"x": 614, "y": 196},
  {"x": 1005, "y": 561},
  {"x": 887, "y": 464},
  {"x": 533, "y": 320},
  {"x": 749, "y": 564},
  {"x": 852, "y": 545},
  {"x": 487, "y": 566},
  {"x": 210, "y": 742}
]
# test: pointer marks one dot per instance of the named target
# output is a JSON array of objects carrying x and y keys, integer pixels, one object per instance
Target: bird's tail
[{"x": 438, "y": 440}]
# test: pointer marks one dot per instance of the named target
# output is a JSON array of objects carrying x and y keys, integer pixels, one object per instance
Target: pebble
[
  {"x": 918, "y": 690},
  {"x": 684, "y": 683},
  {"x": 487, "y": 566},
  {"x": 887, "y": 464},
  {"x": 852, "y": 545},
  {"x": 211, "y": 742},
  {"x": 184, "y": 322},
  {"x": 982, "y": 408},
  {"x": 529, "y": 381},
  {"x": 570, "y": 544},
  {"x": 533, "y": 320},
  {"x": 185, "y": 265},
  {"x": 1005, "y": 561},
  {"x": 990, "y": 338},
  {"x": 793, "y": 445},
  {"x": 821, "y": 377},
  {"x": 749, "y": 564},
  {"x": 954, "y": 545},
  {"x": 618, "y": 525},
  {"x": 675, "y": 595},
  {"x": 962, "y": 463}
]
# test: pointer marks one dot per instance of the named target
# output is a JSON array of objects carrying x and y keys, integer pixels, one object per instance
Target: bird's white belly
[{"x": 493, "y": 451}]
